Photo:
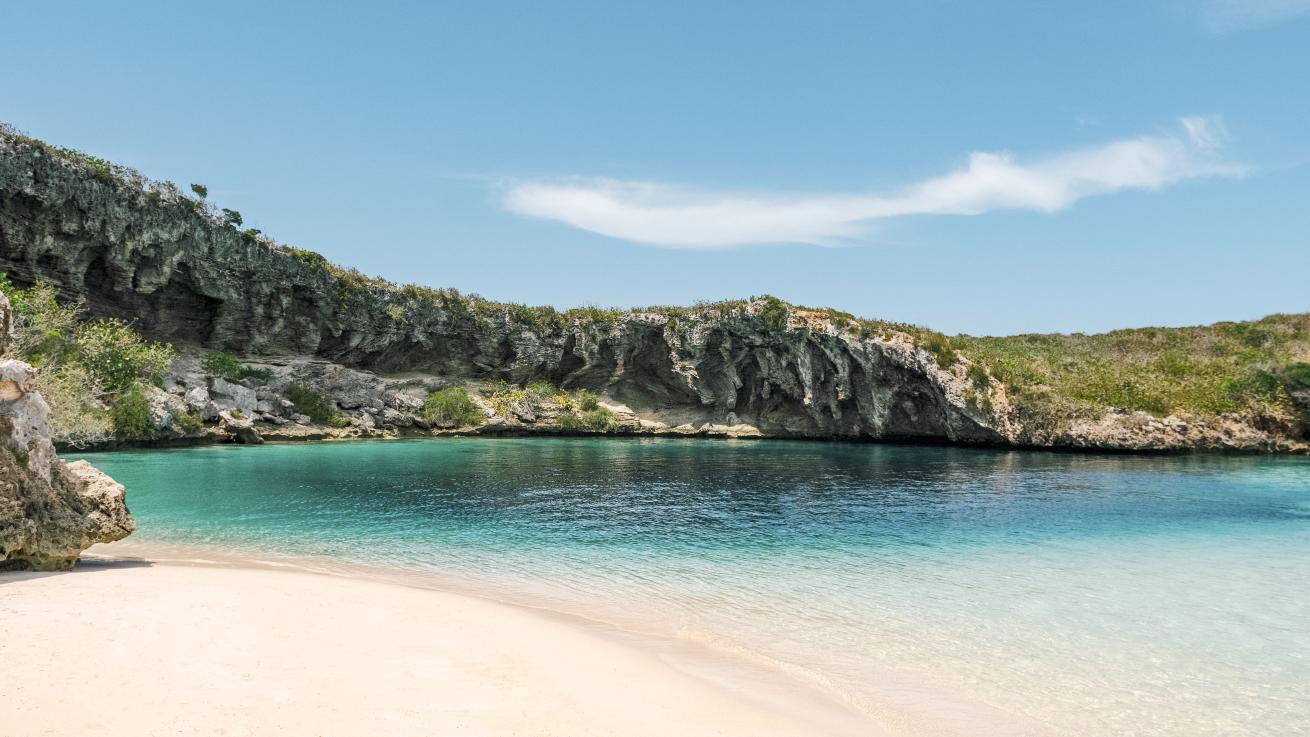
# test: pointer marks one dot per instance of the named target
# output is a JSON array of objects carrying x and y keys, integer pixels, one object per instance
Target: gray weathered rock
[
  {"x": 227, "y": 395},
  {"x": 49, "y": 511},
  {"x": 197, "y": 398},
  {"x": 163, "y": 407},
  {"x": 240, "y": 426}
]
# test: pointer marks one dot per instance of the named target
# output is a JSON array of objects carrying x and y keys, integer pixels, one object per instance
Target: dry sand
[{"x": 124, "y": 649}]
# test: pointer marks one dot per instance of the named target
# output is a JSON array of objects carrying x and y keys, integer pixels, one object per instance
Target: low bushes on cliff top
[
  {"x": 1226, "y": 367},
  {"x": 90, "y": 373}
]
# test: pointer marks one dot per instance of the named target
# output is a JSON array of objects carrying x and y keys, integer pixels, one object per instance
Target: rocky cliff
[
  {"x": 182, "y": 272},
  {"x": 50, "y": 511}
]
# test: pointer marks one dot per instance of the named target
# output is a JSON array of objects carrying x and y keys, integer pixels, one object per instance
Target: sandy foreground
[{"x": 137, "y": 649}]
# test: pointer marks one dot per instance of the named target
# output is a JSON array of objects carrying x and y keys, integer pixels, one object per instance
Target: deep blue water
[{"x": 1105, "y": 595}]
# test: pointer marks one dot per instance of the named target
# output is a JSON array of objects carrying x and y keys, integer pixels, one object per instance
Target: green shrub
[
  {"x": 201, "y": 190},
  {"x": 231, "y": 217},
  {"x": 308, "y": 258},
  {"x": 598, "y": 419},
  {"x": 337, "y": 420},
  {"x": 452, "y": 405},
  {"x": 228, "y": 366},
  {"x": 774, "y": 313},
  {"x": 540, "y": 391},
  {"x": 117, "y": 356},
  {"x": 256, "y": 374},
  {"x": 940, "y": 347},
  {"x": 44, "y": 331},
  {"x": 131, "y": 415},
  {"x": 76, "y": 417},
  {"x": 978, "y": 375},
  {"x": 186, "y": 423},
  {"x": 310, "y": 403},
  {"x": 220, "y": 363},
  {"x": 586, "y": 401},
  {"x": 84, "y": 366}
]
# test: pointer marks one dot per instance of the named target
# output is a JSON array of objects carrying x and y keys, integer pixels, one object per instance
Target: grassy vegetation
[
  {"x": 313, "y": 405},
  {"x": 586, "y": 401},
  {"x": 186, "y": 423},
  {"x": 452, "y": 405},
  {"x": 940, "y": 347},
  {"x": 582, "y": 410},
  {"x": 91, "y": 374},
  {"x": 599, "y": 419},
  {"x": 228, "y": 366},
  {"x": 579, "y": 410},
  {"x": 1227, "y": 367},
  {"x": 505, "y": 396}
]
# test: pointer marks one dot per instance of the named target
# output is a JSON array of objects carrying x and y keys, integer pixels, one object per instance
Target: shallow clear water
[{"x": 1103, "y": 595}]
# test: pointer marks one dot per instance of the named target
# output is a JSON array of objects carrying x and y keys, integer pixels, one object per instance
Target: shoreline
[
  {"x": 330, "y": 435},
  {"x": 567, "y": 676},
  {"x": 750, "y": 695}
]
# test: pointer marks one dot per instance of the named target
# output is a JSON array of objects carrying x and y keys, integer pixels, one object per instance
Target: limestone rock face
[
  {"x": 179, "y": 274},
  {"x": 49, "y": 511}
]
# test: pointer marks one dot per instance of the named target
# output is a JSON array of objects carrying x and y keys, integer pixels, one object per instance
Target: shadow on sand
[{"x": 84, "y": 565}]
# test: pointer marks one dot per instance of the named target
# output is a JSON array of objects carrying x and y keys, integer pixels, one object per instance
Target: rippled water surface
[{"x": 1103, "y": 595}]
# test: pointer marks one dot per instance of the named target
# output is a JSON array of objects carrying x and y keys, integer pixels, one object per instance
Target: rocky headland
[
  {"x": 276, "y": 343},
  {"x": 50, "y": 511}
]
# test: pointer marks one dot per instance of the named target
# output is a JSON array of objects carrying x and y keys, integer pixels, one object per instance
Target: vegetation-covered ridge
[
  {"x": 354, "y": 288},
  {"x": 1255, "y": 370}
]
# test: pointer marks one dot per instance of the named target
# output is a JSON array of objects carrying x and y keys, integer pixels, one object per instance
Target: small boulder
[
  {"x": 240, "y": 426},
  {"x": 197, "y": 398},
  {"x": 228, "y": 395},
  {"x": 163, "y": 407}
]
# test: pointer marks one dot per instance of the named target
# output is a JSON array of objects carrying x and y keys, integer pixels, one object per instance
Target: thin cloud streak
[
  {"x": 1231, "y": 16},
  {"x": 661, "y": 215}
]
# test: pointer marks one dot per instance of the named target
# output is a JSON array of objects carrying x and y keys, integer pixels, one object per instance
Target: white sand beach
[{"x": 138, "y": 649}]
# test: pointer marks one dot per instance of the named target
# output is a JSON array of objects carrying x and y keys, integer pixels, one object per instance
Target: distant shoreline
[{"x": 330, "y": 435}]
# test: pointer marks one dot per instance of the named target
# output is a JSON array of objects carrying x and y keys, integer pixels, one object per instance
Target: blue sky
[{"x": 975, "y": 167}]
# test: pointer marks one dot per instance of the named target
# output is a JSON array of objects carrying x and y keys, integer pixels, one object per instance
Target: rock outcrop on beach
[
  {"x": 181, "y": 271},
  {"x": 50, "y": 511}
]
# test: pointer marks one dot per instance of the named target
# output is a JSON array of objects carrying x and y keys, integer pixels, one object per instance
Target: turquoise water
[{"x": 1101, "y": 595}]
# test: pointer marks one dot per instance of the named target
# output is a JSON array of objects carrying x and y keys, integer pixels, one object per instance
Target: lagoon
[{"x": 1091, "y": 594}]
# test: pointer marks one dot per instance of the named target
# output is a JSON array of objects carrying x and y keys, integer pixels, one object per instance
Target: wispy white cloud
[
  {"x": 678, "y": 217},
  {"x": 1229, "y": 16}
]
